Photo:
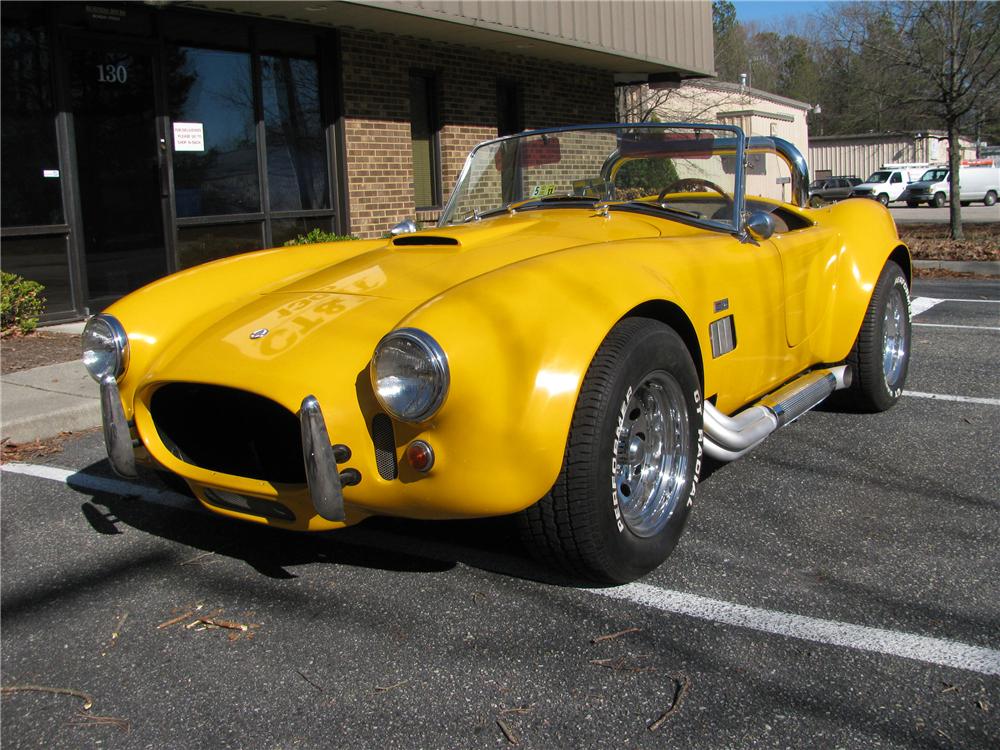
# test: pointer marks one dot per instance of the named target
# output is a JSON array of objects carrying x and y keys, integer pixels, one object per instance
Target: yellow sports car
[{"x": 598, "y": 307}]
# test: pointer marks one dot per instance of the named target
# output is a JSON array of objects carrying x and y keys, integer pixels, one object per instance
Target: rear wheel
[
  {"x": 631, "y": 463},
  {"x": 990, "y": 199},
  {"x": 881, "y": 354},
  {"x": 912, "y": 204}
]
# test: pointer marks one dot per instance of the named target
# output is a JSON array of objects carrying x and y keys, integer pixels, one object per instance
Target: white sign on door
[{"x": 189, "y": 136}]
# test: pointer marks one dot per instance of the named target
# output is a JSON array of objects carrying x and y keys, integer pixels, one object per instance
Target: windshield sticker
[{"x": 543, "y": 190}]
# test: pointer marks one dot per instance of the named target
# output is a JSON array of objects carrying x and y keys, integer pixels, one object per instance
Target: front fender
[
  {"x": 869, "y": 239},
  {"x": 519, "y": 342}
]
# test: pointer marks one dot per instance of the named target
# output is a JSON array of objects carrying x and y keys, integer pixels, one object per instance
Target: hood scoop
[{"x": 424, "y": 240}]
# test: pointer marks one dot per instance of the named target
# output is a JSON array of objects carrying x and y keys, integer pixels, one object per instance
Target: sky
[{"x": 766, "y": 12}]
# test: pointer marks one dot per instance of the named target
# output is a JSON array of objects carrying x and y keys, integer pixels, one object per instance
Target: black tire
[
  {"x": 580, "y": 526},
  {"x": 878, "y": 379},
  {"x": 883, "y": 199},
  {"x": 815, "y": 202},
  {"x": 937, "y": 201},
  {"x": 990, "y": 199}
]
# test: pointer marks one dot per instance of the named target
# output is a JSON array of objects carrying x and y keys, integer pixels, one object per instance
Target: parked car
[
  {"x": 597, "y": 309},
  {"x": 887, "y": 184},
  {"x": 831, "y": 189},
  {"x": 977, "y": 183}
]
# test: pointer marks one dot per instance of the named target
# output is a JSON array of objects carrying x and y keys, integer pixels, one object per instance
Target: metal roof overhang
[{"x": 413, "y": 21}]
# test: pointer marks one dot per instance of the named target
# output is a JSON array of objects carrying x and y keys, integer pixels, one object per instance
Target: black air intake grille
[
  {"x": 385, "y": 446},
  {"x": 230, "y": 431}
]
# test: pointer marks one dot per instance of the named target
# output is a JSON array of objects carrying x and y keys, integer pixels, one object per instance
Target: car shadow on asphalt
[{"x": 391, "y": 544}]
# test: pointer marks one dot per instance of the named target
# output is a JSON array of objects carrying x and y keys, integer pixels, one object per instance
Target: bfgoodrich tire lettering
[
  {"x": 632, "y": 460},
  {"x": 880, "y": 357}
]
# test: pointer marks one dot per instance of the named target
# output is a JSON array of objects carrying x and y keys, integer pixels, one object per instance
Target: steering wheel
[{"x": 693, "y": 182}]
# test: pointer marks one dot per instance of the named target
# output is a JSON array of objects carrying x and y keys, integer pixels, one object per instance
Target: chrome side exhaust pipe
[{"x": 728, "y": 438}]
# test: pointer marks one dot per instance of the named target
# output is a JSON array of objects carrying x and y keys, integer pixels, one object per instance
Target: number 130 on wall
[{"x": 111, "y": 73}]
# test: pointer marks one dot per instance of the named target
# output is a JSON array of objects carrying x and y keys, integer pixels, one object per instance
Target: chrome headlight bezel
[
  {"x": 435, "y": 359},
  {"x": 112, "y": 331}
]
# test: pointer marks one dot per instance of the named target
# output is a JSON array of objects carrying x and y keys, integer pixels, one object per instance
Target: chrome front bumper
[{"x": 319, "y": 456}]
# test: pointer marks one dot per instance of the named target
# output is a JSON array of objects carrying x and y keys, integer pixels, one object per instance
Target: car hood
[
  {"x": 419, "y": 266},
  {"x": 330, "y": 320}
]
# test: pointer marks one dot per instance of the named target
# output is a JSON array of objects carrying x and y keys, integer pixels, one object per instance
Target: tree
[
  {"x": 730, "y": 41},
  {"x": 942, "y": 58}
]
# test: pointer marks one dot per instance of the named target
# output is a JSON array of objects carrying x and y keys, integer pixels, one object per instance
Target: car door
[{"x": 809, "y": 263}]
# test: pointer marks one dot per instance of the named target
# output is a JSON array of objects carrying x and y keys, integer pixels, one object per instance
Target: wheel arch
[
  {"x": 901, "y": 256},
  {"x": 672, "y": 316}
]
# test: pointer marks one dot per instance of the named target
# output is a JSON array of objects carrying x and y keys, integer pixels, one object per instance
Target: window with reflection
[
  {"x": 216, "y": 174},
  {"x": 45, "y": 260},
  {"x": 423, "y": 139},
  {"x": 31, "y": 178},
  {"x": 196, "y": 245},
  {"x": 296, "y": 149}
]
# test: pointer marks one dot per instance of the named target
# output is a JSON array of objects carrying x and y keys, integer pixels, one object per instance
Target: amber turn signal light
[{"x": 420, "y": 455}]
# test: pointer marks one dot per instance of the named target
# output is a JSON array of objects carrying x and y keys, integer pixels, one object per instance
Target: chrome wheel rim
[
  {"x": 651, "y": 454},
  {"x": 894, "y": 339}
]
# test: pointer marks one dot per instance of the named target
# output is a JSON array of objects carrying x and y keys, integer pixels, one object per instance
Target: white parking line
[
  {"x": 963, "y": 399},
  {"x": 952, "y": 325},
  {"x": 922, "y": 304},
  {"x": 79, "y": 480},
  {"x": 939, "y": 651}
]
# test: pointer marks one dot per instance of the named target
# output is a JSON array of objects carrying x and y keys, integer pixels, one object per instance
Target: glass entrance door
[{"x": 119, "y": 166}]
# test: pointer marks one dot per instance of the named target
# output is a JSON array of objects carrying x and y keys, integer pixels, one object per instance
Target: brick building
[{"x": 140, "y": 139}]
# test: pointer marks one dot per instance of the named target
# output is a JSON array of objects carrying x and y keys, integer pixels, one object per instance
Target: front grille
[{"x": 229, "y": 431}]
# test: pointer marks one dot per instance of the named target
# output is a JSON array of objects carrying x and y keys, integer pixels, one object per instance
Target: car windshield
[
  {"x": 687, "y": 172},
  {"x": 879, "y": 176},
  {"x": 934, "y": 175}
]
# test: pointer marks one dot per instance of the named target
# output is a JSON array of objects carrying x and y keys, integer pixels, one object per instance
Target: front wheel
[
  {"x": 883, "y": 199},
  {"x": 631, "y": 463},
  {"x": 881, "y": 354},
  {"x": 938, "y": 200}
]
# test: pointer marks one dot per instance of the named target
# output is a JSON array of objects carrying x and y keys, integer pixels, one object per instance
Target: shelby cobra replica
[{"x": 598, "y": 307}]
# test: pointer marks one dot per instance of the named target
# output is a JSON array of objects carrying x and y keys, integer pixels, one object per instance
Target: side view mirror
[
  {"x": 404, "y": 227},
  {"x": 760, "y": 225}
]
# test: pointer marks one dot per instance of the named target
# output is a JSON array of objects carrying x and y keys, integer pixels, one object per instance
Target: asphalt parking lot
[
  {"x": 837, "y": 588},
  {"x": 974, "y": 214}
]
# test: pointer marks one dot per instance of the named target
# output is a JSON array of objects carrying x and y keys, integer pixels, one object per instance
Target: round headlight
[
  {"x": 105, "y": 347},
  {"x": 410, "y": 375}
]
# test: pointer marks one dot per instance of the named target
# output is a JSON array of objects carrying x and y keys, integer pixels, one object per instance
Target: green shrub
[
  {"x": 318, "y": 235},
  {"x": 21, "y": 303}
]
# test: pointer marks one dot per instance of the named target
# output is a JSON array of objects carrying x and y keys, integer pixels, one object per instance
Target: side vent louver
[
  {"x": 723, "y": 335},
  {"x": 384, "y": 440}
]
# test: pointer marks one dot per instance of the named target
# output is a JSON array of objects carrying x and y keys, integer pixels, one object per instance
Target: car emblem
[{"x": 259, "y": 333}]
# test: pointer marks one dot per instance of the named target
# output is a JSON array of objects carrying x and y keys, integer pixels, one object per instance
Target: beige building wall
[
  {"x": 860, "y": 155},
  {"x": 758, "y": 113}
]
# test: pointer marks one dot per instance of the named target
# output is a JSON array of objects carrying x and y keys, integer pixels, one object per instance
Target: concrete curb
[
  {"x": 42, "y": 402},
  {"x": 981, "y": 267}
]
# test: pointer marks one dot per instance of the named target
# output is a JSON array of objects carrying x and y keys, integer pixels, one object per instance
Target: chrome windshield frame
[
  {"x": 741, "y": 147},
  {"x": 739, "y": 189}
]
